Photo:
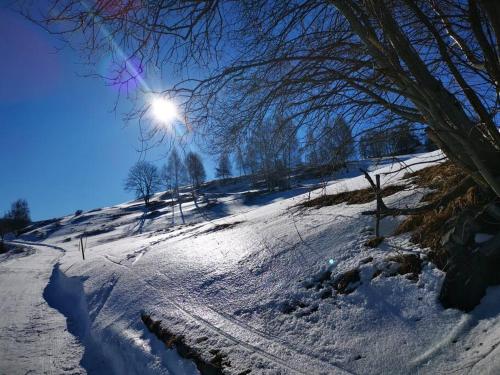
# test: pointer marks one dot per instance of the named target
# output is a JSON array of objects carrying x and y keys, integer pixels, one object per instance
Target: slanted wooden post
[
  {"x": 379, "y": 208},
  {"x": 81, "y": 246}
]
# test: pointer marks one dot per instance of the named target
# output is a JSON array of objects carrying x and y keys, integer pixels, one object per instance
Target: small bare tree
[
  {"x": 175, "y": 174},
  {"x": 195, "y": 169},
  {"x": 143, "y": 179},
  {"x": 335, "y": 145},
  {"x": 223, "y": 169},
  {"x": 196, "y": 173}
]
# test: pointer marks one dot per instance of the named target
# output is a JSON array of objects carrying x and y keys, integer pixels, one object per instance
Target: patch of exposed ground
[
  {"x": 428, "y": 228},
  {"x": 359, "y": 196},
  {"x": 374, "y": 242},
  {"x": 462, "y": 213},
  {"x": 215, "y": 362},
  {"x": 219, "y": 227},
  {"x": 407, "y": 264}
]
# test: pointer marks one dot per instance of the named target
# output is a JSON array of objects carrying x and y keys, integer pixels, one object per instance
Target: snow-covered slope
[{"x": 250, "y": 278}]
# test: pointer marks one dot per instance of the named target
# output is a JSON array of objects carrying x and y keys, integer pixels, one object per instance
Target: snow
[
  {"x": 235, "y": 279},
  {"x": 32, "y": 335},
  {"x": 482, "y": 237}
]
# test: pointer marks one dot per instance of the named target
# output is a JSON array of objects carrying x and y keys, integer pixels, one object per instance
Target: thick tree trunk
[{"x": 473, "y": 146}]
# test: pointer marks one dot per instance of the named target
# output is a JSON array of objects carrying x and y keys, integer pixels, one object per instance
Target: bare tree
[
  {"x": 196, "y": 173},
  {"x": 19, "y": 213},
  {"x": 271, "y": 151},
  {"x": 143, "y": 179},
  {"x": 403, "y": 140},
  {"x": 17, "y": 218},
  {"x": 240, "y": 160},
  {"x": 195, "y": 169},
  {"x": 433, "y": 62},
  {"x": 399, "y": 140},
  {"x": 176, "y": 175},
  {"x": 311, "y": 154},
  {"x": 5, "y": 227},
  {"x": 374, "y": 144},
  {"x": 167, "y": 183},
  {"x": 335, "y": 145},
  {"x": 223, "y": 169}
]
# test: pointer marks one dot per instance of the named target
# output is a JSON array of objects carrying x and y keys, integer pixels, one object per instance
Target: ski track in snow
[
  {"x": 203, "y": 281},
  {"x": 242, "y": 334}
]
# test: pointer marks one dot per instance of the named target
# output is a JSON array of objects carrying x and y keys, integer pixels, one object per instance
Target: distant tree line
[
  {"x": 400, "y": 140},
  {"x": 145, "y": 178},
  {"x": 17, "y": 218},
  {"x": 330, "y": 145},
  {"x": 270, "y": 154}
]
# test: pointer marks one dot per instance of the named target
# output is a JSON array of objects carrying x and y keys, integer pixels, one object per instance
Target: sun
[{"x": 164, "y": 110}]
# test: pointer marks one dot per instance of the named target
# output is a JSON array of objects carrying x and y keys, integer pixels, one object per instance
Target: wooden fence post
[
  {"x": 81, "y": 246},
  {"x": 379, "y": 198}
]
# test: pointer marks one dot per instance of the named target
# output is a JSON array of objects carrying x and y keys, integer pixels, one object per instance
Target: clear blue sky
[{"x": 62, "y": 147}]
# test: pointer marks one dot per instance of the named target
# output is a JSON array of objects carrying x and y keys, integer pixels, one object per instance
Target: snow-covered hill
[{"x": 251, "y": 279}]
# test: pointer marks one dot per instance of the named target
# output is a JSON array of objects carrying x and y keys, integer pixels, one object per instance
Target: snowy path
[{"x": 33, "y": 336}]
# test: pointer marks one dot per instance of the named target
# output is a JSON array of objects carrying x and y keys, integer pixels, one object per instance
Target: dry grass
[
  {"x": 408, "y": 263},
  {"x": 344, "y": 282},
  {"x": 374, "y": 242},
  {"x": 437, "y": 176},
  {"x": 351, "y": 197},
  {"x": 429, "y": 227}
]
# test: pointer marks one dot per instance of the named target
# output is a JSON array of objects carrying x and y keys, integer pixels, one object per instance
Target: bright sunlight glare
[{"x": 164, "y": 110}]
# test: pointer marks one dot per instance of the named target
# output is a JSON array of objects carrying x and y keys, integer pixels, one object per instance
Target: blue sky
[{"x": 61, "y": 145}]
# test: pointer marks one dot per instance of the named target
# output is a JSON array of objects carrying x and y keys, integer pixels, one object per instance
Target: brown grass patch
[
  {"x": 429, "y": 227},
  {"x": 344, "y": 282},
  {"x": 408, "y": 264},
  {"x": 437, "y": 176},
  {"x": 374, "y": 242},
  {"x": 351, "y": 197},
  {"x": 223, "y": 226}
]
